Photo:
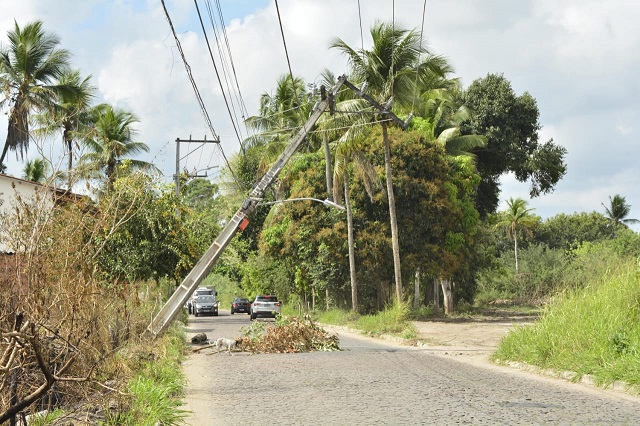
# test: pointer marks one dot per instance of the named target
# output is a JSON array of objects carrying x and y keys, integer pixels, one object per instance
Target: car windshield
[
  {"x": 267, "y": 299},
  {"x": 205, "y": 299}
]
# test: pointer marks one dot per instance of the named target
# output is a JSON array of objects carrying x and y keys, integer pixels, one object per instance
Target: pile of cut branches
[{"x": 288, "y": 336}]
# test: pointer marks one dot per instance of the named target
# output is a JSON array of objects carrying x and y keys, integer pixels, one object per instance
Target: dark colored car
[{"x": 240, "y": 304}]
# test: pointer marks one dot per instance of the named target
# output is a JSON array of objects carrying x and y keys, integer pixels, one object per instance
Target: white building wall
[{"x": 29, "y": 192}]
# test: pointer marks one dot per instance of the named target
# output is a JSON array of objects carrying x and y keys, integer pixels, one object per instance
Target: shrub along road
[{"x": 374, "y": 381}]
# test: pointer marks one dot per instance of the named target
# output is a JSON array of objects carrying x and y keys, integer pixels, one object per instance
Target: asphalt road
[{"x": 374, "y": 382}]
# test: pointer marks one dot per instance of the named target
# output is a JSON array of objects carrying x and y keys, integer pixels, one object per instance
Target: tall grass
[
  {"x": 155, "y": 390},
  {"x": 594, "y": 330}
]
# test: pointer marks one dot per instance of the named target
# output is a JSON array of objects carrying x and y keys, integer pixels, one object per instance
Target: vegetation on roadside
[
  {"x": 395, "y": 320},
  {"x": 154, "y": 393},
  {"x": 592, "y": 330},
  {"x": 89, "y": 272}
]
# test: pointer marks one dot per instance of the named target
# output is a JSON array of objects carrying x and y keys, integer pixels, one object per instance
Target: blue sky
[{"x": 577, "y": 58}]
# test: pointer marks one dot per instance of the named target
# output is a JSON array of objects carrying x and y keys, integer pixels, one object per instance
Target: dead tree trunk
[
  {"x": 447, "y": 292},
  {"x": 436, "y": 297},
  {"x": 416, "y": 289}
]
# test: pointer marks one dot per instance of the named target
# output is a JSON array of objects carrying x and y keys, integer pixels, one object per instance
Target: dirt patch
[{"x": 470, "y": 336}]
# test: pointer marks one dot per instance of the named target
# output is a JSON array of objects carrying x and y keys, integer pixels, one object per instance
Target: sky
[{"x": 577, "y": 58}]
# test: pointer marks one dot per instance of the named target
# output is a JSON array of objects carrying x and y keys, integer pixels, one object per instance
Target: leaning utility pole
[
  {"x": 240, "y": 220},
  {"x": 203, "y": 267}
]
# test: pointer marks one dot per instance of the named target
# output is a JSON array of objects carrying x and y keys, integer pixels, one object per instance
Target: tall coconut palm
[
  {"x": 517, "y": 218},
  {"x": 28, "y": 69},
  {"x": 618, "y": 210},
  {"x": 110, "y": 142},
  {"x": 70, "y": 111},
  {"x": 281, "y": 113},
  {"x": 390, "y": 70},
  {"x": 444, "y": 118},
  {"x": 280, "y": 116}
]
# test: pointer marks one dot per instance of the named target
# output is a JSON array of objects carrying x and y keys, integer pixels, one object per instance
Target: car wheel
[
  {"x": 231, "y": 311},
  {"x": 215, "y": 314},
  {"x": 195, "y": 314},
  {"x": 253, "y": 317}
]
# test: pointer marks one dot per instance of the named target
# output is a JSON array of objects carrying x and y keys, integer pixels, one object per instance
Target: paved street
[{"x": 371, "y": 382}]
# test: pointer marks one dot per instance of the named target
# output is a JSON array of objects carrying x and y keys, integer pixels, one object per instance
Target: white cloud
[{"x": 577, "y": 58}]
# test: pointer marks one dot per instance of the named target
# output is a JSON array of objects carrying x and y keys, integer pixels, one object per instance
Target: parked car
[
  {"x": 200, "y": 291},
  {"x": 241, "y": 304},
  {"x": 207, "y": 304},
  {"x": 265, "y": 305}
]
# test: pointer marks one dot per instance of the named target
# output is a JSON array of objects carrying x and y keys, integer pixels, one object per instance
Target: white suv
[{"x": 265, "y": 305}]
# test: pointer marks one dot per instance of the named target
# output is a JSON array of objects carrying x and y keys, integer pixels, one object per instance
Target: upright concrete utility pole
[
  {"x": 174, "y": 305},
  {"x": 178, "y": 140}
]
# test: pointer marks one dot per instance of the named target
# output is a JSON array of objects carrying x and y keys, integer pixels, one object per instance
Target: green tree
[
  {"x": 618, "y": 211},
  {"x": 110, "y": 142},
  {"x": 28, "y": 70},
  {"x": 150, "y": 241},
  {"x": 567, "y": 232},
  {"x": 517, "y": 218},
  {"x": 281, "y": 113},
  {"x": 36, "y": 170},
  {"x": 510, "y": 125},
  {"x": 69, "y": 112},
  {"x": 390, "y": 70}
]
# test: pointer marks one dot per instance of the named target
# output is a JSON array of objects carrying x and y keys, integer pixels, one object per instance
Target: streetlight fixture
[{"x": 327, "y": 202}]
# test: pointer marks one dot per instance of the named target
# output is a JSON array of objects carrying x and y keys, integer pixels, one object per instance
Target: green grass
[
  {"x": 155, "y": 391},
  {"x": 594, "y": 331},
  {"x": 394, "y": 320}
]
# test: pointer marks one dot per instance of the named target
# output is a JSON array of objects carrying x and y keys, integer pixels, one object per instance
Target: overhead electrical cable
[
  {"x": 224, "y": 65},
  {"x": 243, "y": 107},
  {"x": 195, "y": 89},
  {"x": 286, "y": 52},
  {"x": 361, "y": 36},
  {"x": 415, "y": 85},
  {"x": 393, "y": 40},
  {"x": 218, "y": 75}
]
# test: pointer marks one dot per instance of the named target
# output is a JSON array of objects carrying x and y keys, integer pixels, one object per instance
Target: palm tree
[
  {"x": 281, "y": 113},
  {"x": 390, "y": 70},
  {"x": 618, "y": 211},
  {"x": 110, "y": 142},
  {"x": 444, "y": 119},
  {"x": 69, "y": 112},
  {"x": 27, "y": 70},
  {"x": 517, "y": 218},
  {"x": 36, "y": 170}
]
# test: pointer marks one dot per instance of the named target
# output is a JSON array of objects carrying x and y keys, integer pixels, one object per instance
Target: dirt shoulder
[{"x": 475, "y": 337}]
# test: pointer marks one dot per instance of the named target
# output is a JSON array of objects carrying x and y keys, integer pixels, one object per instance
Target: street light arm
[{"x": 326, "y": 202}]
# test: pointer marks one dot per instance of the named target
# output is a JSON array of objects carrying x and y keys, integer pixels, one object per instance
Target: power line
[
  {"x": 361, "y": 36},
  {"x": 243, "y": 108},
  {"x": 286, "y": 52},
  {"x": 415, "y": 88},
  {"x": 217, "y": 74},
  {"x": 195, "y": 88}
]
